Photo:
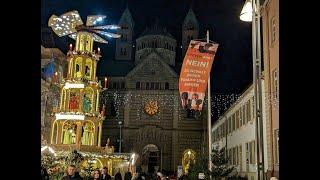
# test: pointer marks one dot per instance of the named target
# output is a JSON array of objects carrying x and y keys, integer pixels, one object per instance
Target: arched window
[
  {"x": 125, "y": 51},
  {"x": 69, "y": 133},
  {"x": 147, "y": 86},
  {"x": 157, "y": 86},
  {"x": 166, "y": 86},
  {"x": 87, "y": 133},
  {"x": 137, "y": 85}
]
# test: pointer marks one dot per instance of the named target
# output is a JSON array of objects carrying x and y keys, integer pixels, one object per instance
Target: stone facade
[{"x": 153, "y": 79}]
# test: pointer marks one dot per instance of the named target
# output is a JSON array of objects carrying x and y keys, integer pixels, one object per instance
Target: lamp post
[
  {"x": 120, "y": 140},
  {"x": 251, "y": 12}
]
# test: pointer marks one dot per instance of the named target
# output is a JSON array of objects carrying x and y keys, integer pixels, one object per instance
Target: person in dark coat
[
  {"x": 118, "y": 175},
  {"x": 72, "y": 174},
  {"x": 44, "y": 174},
  {"x": 128, "y": 175},
  {"x": 104, "y": 174}
]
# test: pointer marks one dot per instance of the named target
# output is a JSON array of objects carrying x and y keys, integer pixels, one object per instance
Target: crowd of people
[{"x": 97, "y": 174}]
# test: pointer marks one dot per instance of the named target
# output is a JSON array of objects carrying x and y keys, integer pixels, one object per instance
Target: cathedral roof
[
  {"x": 117, "y": 68},
  {"x": 156, "y": 29},
  {"x": 191, "y": 18}
]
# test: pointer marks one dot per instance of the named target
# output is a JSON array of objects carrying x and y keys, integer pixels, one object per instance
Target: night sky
[{"x": 232, "y": 67}]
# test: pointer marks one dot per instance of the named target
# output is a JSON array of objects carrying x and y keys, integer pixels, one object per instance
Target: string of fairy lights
[
  {"x": 220, "y": 102},
  {"x": 169, "y": 102}
]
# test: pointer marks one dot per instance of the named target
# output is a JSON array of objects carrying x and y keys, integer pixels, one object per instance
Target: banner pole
[{"x": 209, "y": 116}]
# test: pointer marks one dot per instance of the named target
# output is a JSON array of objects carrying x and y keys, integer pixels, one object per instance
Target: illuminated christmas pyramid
[{"x": 79, "y": 121}]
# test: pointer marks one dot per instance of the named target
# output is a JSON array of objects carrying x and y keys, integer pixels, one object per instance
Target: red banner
[{"x": 195, "y": 72}]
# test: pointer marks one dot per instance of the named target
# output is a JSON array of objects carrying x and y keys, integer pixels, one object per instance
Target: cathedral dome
[{"x": 159, "y": 40}]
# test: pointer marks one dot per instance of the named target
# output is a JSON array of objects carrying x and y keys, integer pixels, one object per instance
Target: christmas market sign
[{"x": 195, "y": 72}]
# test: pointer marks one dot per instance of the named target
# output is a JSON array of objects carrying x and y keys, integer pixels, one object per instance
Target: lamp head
[{"x": 246, "y": 12}]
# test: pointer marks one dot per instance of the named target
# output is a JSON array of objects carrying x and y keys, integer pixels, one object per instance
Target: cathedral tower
[
  {"x": 124, "y": 44},
  {"x": 190, "y": 30}
]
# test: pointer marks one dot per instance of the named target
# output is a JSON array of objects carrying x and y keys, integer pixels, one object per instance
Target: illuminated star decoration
[{"x": 70, "y": 23}]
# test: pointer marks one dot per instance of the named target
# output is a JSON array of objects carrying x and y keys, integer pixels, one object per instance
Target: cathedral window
[
  {"x": 156, "y": 85},
  {"x": 143, "y": 85},
  {"x": 147, "y": 86},
  {"x": 152, "y": 86},
  {"x": 137, "y": 85},
  {"x": 166, "y": 85},
  {"x": 125, "y": 51}
]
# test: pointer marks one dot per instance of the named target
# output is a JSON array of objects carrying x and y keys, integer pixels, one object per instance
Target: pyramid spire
[
  {"x": 126, "y": 17},
  {"x": 191, "y": 18}
]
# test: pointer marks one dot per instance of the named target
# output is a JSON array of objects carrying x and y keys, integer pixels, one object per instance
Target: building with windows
[
  {"x": 270, "y": 28},
  {"x": 141, "y": 91},
  {"x": 236, "y": 131}
]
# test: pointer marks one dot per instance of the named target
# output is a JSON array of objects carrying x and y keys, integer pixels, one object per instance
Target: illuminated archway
[
  {"x": 54, "y": 133},
  {"x": 150, "y": 157},
  {"x": 78, "y": 68},
  {"x": 88, "y": 100},
  {"x": 69, "y": 130},
  {"x": 88, "y": 133},
  {"x": 88, "y": 68},
  {"x": 188, "y": 158}
]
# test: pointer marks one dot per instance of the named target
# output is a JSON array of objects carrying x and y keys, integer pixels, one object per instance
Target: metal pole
[
  {"x": 161, "y": 160},
  {"x": 209, "y": 115},
  {"x": 120, "y": 139},
  {"x": 260, "y": 90},
  {"x": 256, "y": 49}
]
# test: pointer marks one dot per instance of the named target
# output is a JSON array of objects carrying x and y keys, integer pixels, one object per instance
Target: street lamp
[
  {"x": 251, "y": 9},
  {"x": 246, "y": 12},
  {"x": 120, "y": 123}
]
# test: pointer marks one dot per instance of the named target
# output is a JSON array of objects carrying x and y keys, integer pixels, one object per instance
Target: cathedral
[{"x": 141, "y": 98}]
